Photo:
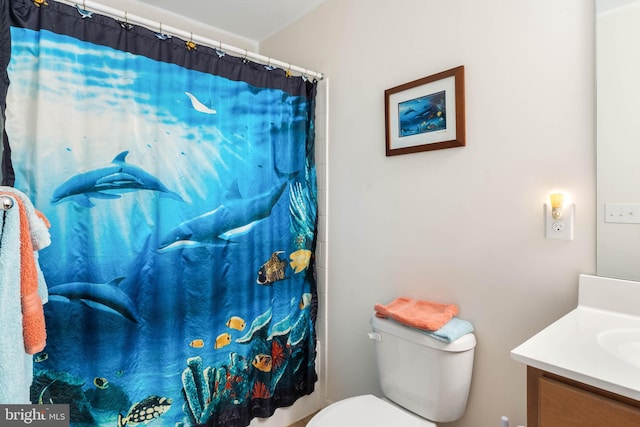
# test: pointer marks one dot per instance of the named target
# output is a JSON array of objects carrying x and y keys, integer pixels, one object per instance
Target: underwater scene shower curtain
[{"x": 180, "y": 185}]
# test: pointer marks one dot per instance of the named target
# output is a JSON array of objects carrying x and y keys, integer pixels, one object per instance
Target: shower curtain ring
[{"x": 190, "y": 44}]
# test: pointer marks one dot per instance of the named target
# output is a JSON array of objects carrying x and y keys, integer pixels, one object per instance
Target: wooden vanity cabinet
[{"x": 555, "y": 401}]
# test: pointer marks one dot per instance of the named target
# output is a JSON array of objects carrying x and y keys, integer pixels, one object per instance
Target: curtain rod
[{"x": 165, "y": 29}]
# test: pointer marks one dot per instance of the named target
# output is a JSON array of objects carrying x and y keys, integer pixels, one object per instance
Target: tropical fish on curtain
[{"x": 180, "y": 186}]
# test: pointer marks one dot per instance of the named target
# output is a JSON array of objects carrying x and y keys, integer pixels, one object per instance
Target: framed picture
[{"x": 426, "y": 114}]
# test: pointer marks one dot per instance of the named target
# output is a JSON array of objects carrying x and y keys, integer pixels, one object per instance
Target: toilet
[{"x": 424, "y": 381}]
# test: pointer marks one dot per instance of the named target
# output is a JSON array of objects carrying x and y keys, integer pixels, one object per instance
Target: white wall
[{"x": 462, "y": 225}]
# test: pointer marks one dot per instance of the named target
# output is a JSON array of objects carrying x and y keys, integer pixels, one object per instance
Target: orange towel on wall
[{"x": 426, "y": 315}]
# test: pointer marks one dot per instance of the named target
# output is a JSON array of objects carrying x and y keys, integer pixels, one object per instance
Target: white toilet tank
[{"x": 422, "y": 374}]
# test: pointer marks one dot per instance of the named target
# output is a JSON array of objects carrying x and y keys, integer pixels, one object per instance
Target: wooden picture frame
[{"x": 426, "y": 114}]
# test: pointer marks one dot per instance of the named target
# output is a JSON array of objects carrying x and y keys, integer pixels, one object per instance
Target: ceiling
[{"x": 252, "y": 19}]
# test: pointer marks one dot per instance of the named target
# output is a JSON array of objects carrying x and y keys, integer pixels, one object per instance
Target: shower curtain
[{"x": 180, "y": 185}]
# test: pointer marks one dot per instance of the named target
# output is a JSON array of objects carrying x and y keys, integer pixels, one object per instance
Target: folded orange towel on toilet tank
[{"x": 427, "y": 315}]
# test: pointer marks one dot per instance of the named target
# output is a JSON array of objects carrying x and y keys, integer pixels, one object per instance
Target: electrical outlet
[{"x": 562, "y": 228}]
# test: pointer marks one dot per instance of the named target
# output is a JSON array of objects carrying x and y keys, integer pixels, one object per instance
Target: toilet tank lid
[{"x": 464, "y": 343}]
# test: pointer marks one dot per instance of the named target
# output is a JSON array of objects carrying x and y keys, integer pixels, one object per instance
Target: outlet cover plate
[{"x": 559, "y": 229}]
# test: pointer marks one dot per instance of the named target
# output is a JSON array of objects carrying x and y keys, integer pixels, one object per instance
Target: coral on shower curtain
[{"x": 180, "y": 184}]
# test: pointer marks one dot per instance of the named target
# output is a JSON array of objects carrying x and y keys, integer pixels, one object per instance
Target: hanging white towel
[{"x": 16, "y": 366}]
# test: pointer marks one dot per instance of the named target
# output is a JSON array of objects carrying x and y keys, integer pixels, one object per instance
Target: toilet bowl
[
  {"x": 424, "y": 381},
  {"x": 366, "y": 411}
]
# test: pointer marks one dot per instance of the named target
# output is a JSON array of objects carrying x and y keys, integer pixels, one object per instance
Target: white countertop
[{"x": 582, "y": 345}]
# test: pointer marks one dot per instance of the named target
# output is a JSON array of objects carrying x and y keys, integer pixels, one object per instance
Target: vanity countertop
[{"x": 598, "y": 343}]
